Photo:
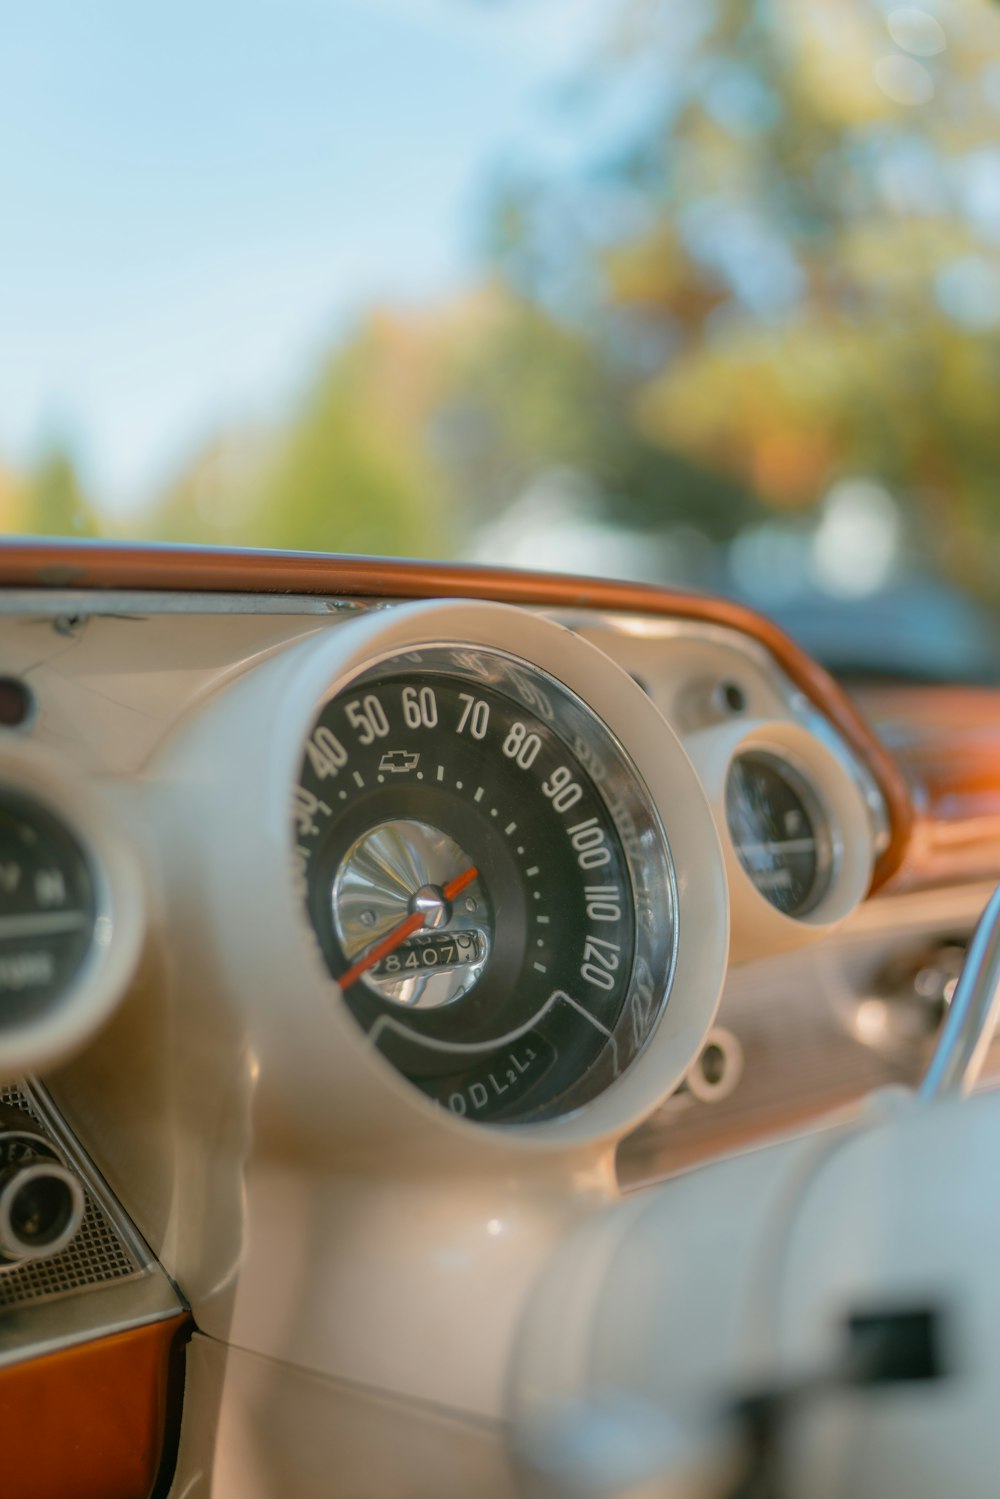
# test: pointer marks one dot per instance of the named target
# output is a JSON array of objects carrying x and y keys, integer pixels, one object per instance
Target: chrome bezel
[
  {"x": 823, "y": 825},
  {"x": 633, "y": 812},
  {"x": 35, "y": 1036}
]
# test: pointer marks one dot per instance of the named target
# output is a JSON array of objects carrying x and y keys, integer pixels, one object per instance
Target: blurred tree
[
  {"x": 214, "y": 497},
  {"x": 349, "y": 472},
  {"x": 534, "y": 392},
  {"x": 354, "y": 474},
  {"x": 51, "y": 499},
  {"x": 793, "y": 259},
  {"x": 11, "y": 502},
  {"x": 775, "y": 267}
]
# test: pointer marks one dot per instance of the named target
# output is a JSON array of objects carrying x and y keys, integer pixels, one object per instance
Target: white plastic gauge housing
[
  {"x": 245, "y": 751},
  {"x": 37, "y": 1034},
  {"x": 840, "y": 828}
]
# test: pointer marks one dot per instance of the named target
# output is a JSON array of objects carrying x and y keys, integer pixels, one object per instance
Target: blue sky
[{"x": 195, "y": 197}]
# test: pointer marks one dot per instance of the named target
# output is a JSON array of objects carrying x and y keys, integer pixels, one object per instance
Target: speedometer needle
[{"x": 405, "y": 929}]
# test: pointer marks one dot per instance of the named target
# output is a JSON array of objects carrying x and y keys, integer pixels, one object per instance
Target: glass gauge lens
[
  {"x": 47, "y": 906},
  {"x": 392, "y": 875},
  {"x": 487, "y": 879},
  {"x": 779, "y": 830}
]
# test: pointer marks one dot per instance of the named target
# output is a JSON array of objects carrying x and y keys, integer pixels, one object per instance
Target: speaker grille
[{"x": 95, "y": 1256}]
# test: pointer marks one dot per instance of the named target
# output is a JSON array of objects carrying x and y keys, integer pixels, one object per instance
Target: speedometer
[{"x": 488, "y": 880}]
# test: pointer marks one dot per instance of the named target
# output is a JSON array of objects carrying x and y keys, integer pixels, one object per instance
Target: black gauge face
[
  {"x": 487, "y": 879},
  {"x": 47, "y": 906},
  {"x": 780, "y": 832}
]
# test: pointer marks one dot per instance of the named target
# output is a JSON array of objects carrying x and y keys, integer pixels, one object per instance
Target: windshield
[{"x": 701, "y": 294}]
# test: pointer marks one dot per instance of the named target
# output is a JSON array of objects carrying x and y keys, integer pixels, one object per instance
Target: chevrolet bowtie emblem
[{"x": 396, "y": 760}]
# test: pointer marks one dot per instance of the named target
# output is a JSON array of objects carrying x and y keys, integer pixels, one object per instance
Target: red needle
[{"x": 403, "y": 930}]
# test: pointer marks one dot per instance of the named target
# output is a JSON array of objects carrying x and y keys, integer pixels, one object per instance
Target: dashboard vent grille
[{"x": 97, "y": 1254}]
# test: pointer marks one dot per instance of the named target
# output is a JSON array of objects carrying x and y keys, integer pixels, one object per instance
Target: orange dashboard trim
[
  {"x": 90, "y": 1422},
  {"x": 946, "y": 741},
  {"x": 32, "y": 563}
]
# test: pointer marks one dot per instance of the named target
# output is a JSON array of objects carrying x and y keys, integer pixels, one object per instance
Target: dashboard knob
[{"x": 41, "y": 1200}]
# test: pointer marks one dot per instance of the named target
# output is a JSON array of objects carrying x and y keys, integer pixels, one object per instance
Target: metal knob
[{"x": 41, "y": 1200}]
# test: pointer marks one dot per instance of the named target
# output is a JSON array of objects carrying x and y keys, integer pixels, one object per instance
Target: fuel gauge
[{"x": 780, "y": 831}]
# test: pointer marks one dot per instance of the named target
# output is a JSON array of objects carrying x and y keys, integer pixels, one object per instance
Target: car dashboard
[{"x": 367, "y": 927}]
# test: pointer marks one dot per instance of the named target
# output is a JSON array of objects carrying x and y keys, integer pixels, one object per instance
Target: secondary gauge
[
  {"x": 71, "y": 907},
  {"x": 488, "y": 880},
  {"x": 47, "y": 904},
  {"x": 780, "y": 831}
]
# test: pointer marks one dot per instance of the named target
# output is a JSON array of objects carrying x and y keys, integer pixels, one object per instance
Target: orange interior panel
[
  {"x": 89, "y": 1422},
  {"x": 946, "y": 742}
]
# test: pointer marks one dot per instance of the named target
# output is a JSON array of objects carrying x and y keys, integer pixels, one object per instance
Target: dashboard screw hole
[
  {"x": 713, "y": 1064},
  {"x": 731, "y": 697}
]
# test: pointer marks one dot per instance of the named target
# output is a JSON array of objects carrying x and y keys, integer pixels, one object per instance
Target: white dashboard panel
[
  {"x": 355, "y": 1254},
  {"x": 265, "y": 1152}
]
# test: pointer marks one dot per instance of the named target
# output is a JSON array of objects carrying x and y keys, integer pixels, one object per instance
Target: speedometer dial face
[{"x": 488, "y": 881}]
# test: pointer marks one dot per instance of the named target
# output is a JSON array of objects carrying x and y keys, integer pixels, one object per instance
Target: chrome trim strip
[
  {"x": 36, "y": 1329},
  {"x": 972, "y": 1015},
  {"x": 91, "y": 603}
]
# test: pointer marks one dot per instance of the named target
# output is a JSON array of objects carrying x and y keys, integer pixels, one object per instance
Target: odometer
[{"x": 487, "y": 879}]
